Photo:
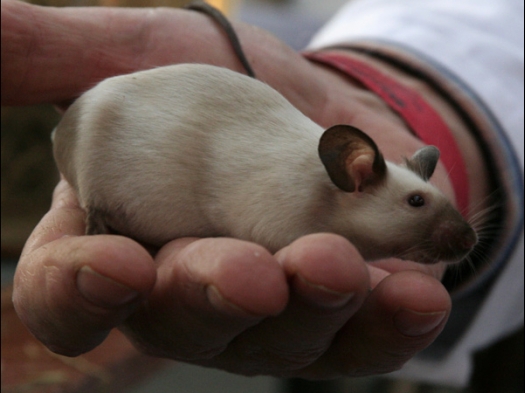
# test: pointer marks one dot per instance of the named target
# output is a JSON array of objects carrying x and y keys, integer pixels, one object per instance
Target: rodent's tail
[{"x": 219, "y": 17}]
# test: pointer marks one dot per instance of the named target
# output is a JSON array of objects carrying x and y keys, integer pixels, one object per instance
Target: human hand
[
  {"x": 267, "y": 318},
  {"x": 224, "y": 303}
]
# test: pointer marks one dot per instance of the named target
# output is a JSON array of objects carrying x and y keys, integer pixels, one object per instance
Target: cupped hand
[{"x": 315, "y": 309}]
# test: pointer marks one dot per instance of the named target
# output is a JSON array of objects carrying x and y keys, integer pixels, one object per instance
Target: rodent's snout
[
  {"x": 469, "y": 240},
  {"x": 454, "y": 240}
]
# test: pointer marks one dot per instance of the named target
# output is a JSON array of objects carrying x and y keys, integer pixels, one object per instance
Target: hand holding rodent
[
  {"x": 57, "y": 252},
  {"x": 250, "y": 313}
]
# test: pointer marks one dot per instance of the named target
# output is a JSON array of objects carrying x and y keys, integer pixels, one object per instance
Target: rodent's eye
[{"x": 416, "y": 201}]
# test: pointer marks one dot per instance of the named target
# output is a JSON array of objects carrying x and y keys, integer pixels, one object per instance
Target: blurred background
[{"x": 28, "y": 176}]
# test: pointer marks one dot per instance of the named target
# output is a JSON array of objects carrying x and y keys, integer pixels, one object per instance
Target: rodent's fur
[{"x": 198, "y": 150}]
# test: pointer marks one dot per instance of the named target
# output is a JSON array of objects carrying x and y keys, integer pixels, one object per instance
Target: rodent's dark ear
[
  {"x": 424, "y": 161},
  {"x": 351, "y": 158}
]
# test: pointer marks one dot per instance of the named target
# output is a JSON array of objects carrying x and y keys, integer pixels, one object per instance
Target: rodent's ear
[
  {"x": 351, "y": 158},
  {"x": 424, "y": 161}
]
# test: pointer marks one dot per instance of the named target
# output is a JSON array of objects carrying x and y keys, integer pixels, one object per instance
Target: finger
[
  {"x": 71, "y": 290},
  {"x": 208, "y": 291},
  {"x": 329, "y": 281},
  {"x": 402, "y": 316}
]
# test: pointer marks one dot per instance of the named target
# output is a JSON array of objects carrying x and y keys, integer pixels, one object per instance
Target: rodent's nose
[
  {"x": 454, "y": 240},
  {"x": 469, "y": 240}
]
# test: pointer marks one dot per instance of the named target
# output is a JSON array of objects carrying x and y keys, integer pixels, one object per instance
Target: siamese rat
[{"x": 199, "y": 150}]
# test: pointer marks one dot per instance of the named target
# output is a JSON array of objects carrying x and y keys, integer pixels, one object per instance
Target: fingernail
[
  {"x": 101, "y": 290},
  {"x": 222, "y": 305},
  {"x": 321, "y": 295},
  {"x": 413, "y": 324}
]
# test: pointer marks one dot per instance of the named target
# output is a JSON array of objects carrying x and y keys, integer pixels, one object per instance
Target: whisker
[{"x": 492, "y": 203}]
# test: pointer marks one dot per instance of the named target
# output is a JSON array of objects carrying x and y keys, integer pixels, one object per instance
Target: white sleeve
[{"x": 482, "y": 43}]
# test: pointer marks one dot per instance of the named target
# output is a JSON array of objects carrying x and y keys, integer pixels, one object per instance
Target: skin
[{"x": 315, "y": 309}]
